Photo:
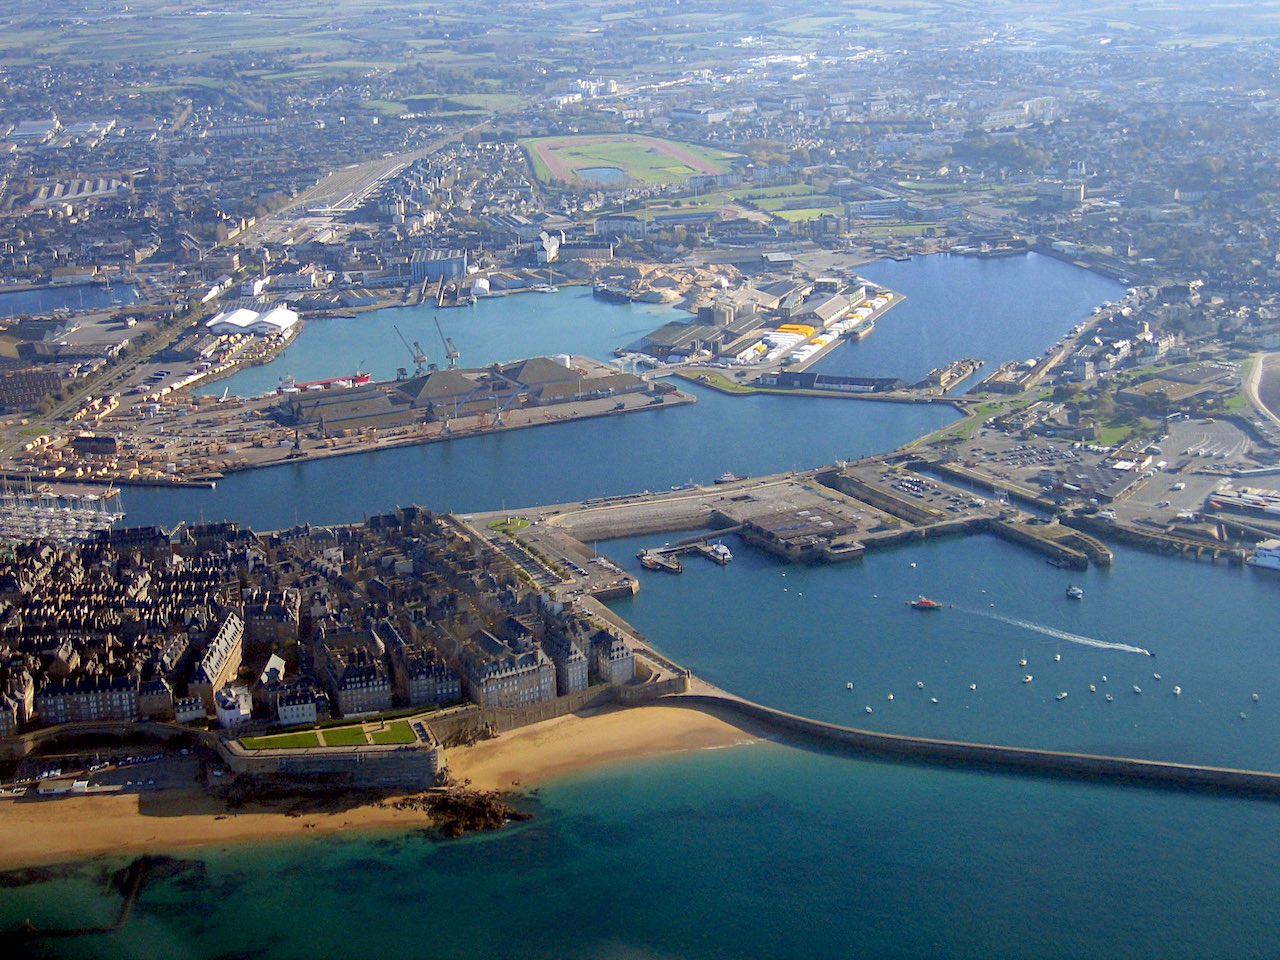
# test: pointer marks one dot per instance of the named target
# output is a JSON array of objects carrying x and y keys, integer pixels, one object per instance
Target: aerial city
[{"x": 675, "y": 479}]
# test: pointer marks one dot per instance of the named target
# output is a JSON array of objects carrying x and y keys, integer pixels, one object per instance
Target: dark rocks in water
[
  {"x": 464, "y": 811},
  {"x": 25, "y": 876}
]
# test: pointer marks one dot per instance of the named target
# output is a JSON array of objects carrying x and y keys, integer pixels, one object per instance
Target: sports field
[{"x": 640, "y": 160}]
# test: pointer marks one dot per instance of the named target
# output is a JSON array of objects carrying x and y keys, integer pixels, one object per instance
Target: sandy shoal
[{"x": 43, "y": 831}]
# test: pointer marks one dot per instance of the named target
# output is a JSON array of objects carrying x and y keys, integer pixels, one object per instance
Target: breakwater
[{"x": 988, "y": 756}]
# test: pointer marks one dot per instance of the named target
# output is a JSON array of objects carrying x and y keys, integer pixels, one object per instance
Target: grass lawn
[
  {"x": 643, "y": 159},
  {"x": 807, "y": 213},
  {"x": 509, "y": 525},
  {"x": 346, "y": 737},
  {"x": 396, "y": 732},
  {"x": 282, "y": 741}
]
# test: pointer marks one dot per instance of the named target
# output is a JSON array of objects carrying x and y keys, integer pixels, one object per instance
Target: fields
[{"x": 640, "y": 160}]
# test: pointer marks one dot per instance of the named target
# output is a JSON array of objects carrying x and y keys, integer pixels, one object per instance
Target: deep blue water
[
  {"x": 994, "y": 310},
  {"x": 768, "y": 850},
  {"x": 81, "y": 297},
  {"x": 495, "y": 330},
  {"x": 650, "y": 450},
  {"x": 793, "y": 637}
]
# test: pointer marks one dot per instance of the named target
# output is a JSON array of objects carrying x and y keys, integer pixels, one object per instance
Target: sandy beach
[{"x": 43, "y": 831}]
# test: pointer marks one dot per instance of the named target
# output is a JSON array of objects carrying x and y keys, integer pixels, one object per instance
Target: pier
[
  {"x": 701, "y": 545},
  {"x": 986, "y": 756}
]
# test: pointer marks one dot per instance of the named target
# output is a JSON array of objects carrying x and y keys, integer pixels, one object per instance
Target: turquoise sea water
[
  {"x": 768, "y": 850},
  {"x": 756, "y": 851}
]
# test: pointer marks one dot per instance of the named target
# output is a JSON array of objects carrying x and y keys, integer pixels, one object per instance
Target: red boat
[{"x": 924, "y": 603}]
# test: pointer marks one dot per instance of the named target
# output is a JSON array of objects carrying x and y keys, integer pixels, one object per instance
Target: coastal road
[{"x": 1262, "y": 386}]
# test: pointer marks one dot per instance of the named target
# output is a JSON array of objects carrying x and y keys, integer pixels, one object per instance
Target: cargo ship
[{"x": 290, "y": 385}]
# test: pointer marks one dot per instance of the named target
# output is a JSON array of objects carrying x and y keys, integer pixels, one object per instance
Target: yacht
[
  {"x": 849, "y": 685},
  {"x": 1136, "y": 688},
  {"x": 1028, "y": 678},
  {"x": 1075, "y": 593},
  {"x": 868, "y": 708},
  {"x": 1177, "y": 691},
  {"x": 1061, "y": 696},
  {"x": 1266, "y": 555},
  {"x": 720, "y": 553},
  {"x": 1110, "y": 698},
  {"x": 1093, "y": 688}
]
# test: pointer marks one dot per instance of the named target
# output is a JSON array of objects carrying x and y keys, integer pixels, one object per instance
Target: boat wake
[{"x": 1061, "y": 634}]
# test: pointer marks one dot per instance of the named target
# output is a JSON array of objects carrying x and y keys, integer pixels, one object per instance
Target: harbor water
[
  {"x": 494, "y": 330},
  {"x": 767, "y": 850},
  {"x": 992, "y": 310},
  {"x": 43, "y": 300}
]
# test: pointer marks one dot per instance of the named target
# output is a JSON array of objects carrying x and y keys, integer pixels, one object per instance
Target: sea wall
[
  {"x": 993, "y": 757},
  {"x": 479, "y": 722}
]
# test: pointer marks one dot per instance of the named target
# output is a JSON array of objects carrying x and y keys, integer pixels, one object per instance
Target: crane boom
[
  {"x": 415, "y": 351},
  {"x": 450, "y": 351}
]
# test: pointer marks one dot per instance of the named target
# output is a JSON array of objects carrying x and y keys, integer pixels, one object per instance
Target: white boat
[
  {"x": 1061, "y": 696},
  {"x": 1177, "y": 691},
  {"x": 1136, "y": 688},
  {"x": 1028, "y": 678},
  {"x": 1057, "y": 658},
  {"x": 919, "y": 684},
  {"x": 720, "y": 553},
  {"x": 849, "y": 685},
  {"x": 1266, "y": 555},
  {"x": 973, "y": 686},
  {"x": 545, "y": 288},
  {"x": 1093, "y": 688},
  {"x": 729, "y": 477},
  {"x": 1022, "y": 662},
  {"x": 933, "y": 699},
  {"x": 1157, "y": 676},
  {"x": 1075, "y": 593},
  {"x": 1110, "y": 698},
  {"x": 1255, "y": 698},
  {"x": 890, "y": 697},
  {"x": 868, "y": 708}
]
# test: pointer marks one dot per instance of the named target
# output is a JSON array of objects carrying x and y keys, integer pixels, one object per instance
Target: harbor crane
[
  {"x": 415, "y": 351},
  {"x": 450, "y": 351}
]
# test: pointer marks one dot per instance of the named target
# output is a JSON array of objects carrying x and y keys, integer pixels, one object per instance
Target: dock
[{"x": 701, "y": 545}]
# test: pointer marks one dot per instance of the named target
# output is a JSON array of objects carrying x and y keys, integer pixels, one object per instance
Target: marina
[{"x": 56, "y": 517}]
